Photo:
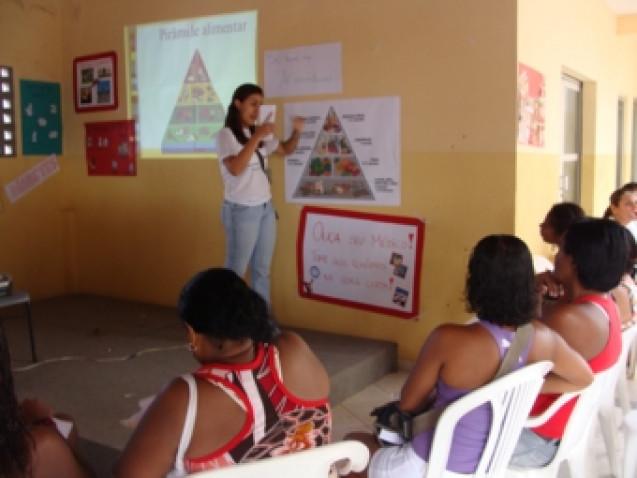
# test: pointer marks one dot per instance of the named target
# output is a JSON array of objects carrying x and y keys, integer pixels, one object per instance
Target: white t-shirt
[{"x": 251, "y": 187}]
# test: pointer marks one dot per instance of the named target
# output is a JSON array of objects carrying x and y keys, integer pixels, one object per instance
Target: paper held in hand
[{"x": 267, "y": 113}]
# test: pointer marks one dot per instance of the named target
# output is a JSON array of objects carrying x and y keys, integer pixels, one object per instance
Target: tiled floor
[{"x": 353, "y": 415}]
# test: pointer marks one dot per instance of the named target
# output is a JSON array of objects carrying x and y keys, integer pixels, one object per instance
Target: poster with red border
[
  {"x": 95, "y": 82},
  {"x": 111, "y": 148},
  {"x": 362, "y": 260}
]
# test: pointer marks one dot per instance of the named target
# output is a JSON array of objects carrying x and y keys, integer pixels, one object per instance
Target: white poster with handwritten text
[
  {"x": 348, "y": 153},
  {"x": 368, "y": 261},
  {"x": 301, "y": 71}
]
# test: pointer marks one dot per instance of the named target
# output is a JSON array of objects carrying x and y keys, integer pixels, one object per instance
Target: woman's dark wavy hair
[
  {"x": 218, "y": 303},
  {"x": 599, "y": 252},
  {"x": 562, "y": 215},
  {"x": 233, "y": 119},
  {"x": 15, "y": 441},
  {"x": 500, "y": 285}
]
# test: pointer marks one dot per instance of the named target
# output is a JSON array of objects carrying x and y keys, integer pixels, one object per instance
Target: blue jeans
[
  {"x": 250, "y": 238},
  {"x": 533, "y": 450}
]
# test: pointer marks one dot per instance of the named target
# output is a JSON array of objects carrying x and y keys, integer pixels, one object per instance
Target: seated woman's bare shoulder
[{"x": 302, "y": 371}]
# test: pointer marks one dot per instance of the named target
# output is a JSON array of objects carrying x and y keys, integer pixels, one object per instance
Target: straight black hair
[
  {"x": 218, "y": 303},
  {"x": 599, "y": 251},
  {"x": 500, "y": 285},
  {"x": 562, "y": 215}
]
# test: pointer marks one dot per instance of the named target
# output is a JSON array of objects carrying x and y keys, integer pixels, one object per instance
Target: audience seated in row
[
  {"x": 500, "y": 289},
  {"x": 261, "y": 393}
]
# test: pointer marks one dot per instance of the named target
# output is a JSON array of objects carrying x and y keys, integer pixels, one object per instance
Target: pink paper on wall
[
  {"x": 32, "y": 178},
  {"x": 531, "y": 100}
]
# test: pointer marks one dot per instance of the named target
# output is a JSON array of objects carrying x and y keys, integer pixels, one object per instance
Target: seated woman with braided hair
[
  {"x": 456, "y": 359},
  {"x": 254, "y": 395},
  {"x": 30, "y": 443}
]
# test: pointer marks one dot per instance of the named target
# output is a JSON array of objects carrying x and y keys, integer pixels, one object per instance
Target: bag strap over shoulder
[{"x": 523, "y": 335}]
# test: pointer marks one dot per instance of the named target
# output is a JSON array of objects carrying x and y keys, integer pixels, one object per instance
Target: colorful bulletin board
[
  {"x": 95, "y": 82},
  {"x": 41, "y": 118},
  {"x": 531, "y": 100},
  {"x": 111, "y": 149},
  {"x": 367, "y": 261}
]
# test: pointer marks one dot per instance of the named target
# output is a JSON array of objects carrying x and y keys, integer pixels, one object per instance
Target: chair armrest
[{"x": 541, "y": 419}]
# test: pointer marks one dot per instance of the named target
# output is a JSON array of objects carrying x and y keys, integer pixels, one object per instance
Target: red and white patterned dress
[{"x": 277, "y": 422}]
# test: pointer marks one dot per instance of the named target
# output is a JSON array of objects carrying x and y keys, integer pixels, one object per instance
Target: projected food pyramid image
[
  {"x": 333, "y": 171},
  {"x": 198, "y": 115}
]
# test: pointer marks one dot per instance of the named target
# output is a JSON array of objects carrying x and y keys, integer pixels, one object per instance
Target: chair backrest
[
  {"x": 628, "y": 339},
  {"x": 316, "y": 462},
  {"x": 584, "y": 413},
  {"x": 511, "y": 398},
  {"x": 613, "y": 373}
]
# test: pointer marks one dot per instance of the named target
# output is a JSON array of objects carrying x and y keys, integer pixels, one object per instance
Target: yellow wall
[
  {"x": 34, "y": 234},
  {"x": 580, "y": 38},
  {"x": 451, "y": 62}
]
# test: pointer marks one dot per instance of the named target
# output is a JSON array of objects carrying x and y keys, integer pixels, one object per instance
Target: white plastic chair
[
  {"x": 573, "y": 445},
  {"x": 607, "y": 416},
  {"x": 630, "y": 444},
  {"x": 629, "y": 336},
  {"x": 511, "y": 398},
  {"x": 316, "y": 462}
]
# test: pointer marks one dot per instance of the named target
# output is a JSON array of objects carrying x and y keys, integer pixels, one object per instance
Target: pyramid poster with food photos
[
  {"x": 333, "y": 169},
  {"x": 198, "y": 115},
  {"x": 348, "y": 152}
]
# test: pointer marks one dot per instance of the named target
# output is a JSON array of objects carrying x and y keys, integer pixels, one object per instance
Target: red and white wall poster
[
  {"x": 367, "y": 261},
  {"x": 531, "y": 101}
]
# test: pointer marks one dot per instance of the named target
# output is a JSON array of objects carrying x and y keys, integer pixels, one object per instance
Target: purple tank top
[{"x": 472, "y": 430}]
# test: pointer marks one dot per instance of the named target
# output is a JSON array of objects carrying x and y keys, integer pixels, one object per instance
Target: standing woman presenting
[{"x": 247, "y": 214}]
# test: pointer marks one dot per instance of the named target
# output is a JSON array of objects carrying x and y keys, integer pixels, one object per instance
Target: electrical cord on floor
[{"x": 79, "y": 358}]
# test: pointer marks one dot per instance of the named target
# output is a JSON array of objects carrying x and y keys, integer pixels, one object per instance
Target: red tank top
[
  {"x": 554, "y": 428},
  {"x": 277, "y": 422}
]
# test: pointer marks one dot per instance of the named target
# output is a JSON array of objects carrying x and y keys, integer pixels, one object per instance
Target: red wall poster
[
  {"x": 111, "y": 148},
  {"x": 531, "y": 99},
  {"x": 368, "y": 261}
]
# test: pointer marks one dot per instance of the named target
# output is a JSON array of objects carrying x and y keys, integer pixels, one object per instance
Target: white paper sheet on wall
[{"x": 307, "y": 70}]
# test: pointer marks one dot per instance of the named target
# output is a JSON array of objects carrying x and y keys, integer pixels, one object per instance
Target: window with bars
[{"x": 7, "y": 113}]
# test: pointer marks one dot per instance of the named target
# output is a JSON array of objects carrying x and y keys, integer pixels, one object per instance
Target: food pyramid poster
[
  {"x": 198, "y": 115},
  {"x": 333, "y": 169}
]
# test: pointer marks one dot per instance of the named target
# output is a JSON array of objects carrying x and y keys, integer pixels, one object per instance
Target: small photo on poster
[
  {"x": 87, "y": 75},
  {"x": 104, "y": 72},
  {"x": 400, "y": 271},
  {"x": 400, "y": 297},
  {"x": 86, "y": 95},
  {"x": 103, "y": 91},
  {"x": 396, "y": 259}
]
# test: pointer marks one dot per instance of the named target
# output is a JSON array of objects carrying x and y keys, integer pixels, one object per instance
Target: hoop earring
[{"x": 192, "y": 347}]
